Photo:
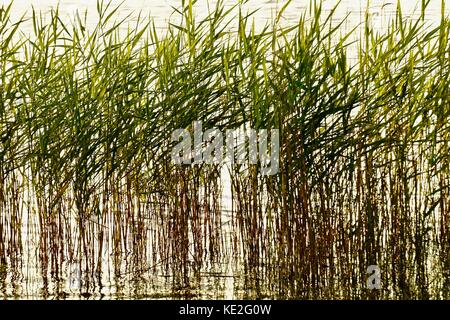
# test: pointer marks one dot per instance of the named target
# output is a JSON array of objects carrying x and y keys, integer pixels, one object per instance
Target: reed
[{"x": 86, "y": 118}]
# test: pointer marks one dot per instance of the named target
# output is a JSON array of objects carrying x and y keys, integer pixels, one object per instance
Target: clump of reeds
[{"x": 86, "y": 118}]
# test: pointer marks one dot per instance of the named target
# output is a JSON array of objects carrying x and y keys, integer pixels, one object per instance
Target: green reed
[{"x": 86, "y": 117}]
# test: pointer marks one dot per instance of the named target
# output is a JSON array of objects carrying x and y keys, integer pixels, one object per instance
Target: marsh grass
[{"x": 86, "y": 176}]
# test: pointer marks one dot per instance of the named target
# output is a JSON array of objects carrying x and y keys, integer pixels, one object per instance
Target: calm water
[
  {"x": 161, "y": 11},
  {"x": 128, "y": 278}
]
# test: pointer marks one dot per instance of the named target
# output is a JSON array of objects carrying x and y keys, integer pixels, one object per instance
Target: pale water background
[
  {"x": 161, "y": 10},
  {"x": 226, "y": 284}
]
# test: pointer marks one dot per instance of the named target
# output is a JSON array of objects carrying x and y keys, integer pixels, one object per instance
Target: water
[
  {"x": 125, "y": 275},
  {"x": 161, "y": 11}
]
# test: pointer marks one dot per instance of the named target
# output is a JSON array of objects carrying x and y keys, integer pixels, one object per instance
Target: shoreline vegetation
[{"x": 86, "y": 179}]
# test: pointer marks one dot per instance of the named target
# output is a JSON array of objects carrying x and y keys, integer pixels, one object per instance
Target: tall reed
[{"x": 86, "y": 116}]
